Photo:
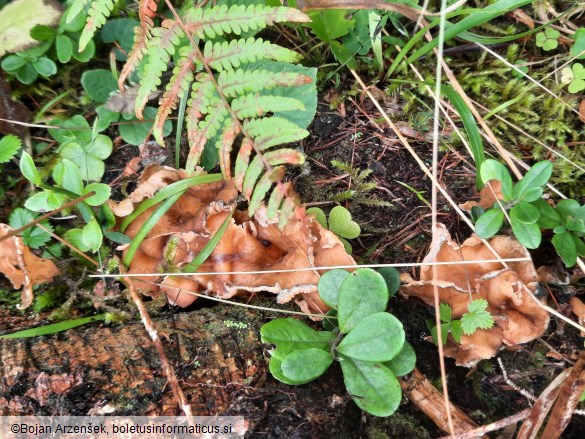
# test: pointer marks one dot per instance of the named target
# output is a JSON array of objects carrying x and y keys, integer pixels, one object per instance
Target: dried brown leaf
[{"x": 23, "y": 268}]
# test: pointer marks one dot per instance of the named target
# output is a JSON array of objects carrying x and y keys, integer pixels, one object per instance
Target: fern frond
[
  {"x": 271, "y": 159},
  {"x": 238, "y": 82},
  {"x": 220, "y": 20},
  {"x": 254, "y": 105},
  {"x": 230, "y": 55},
  {"x": 179, "y": 83},
  {"x": 161, "y": 47},
  {"x": 271, "y": 131},
  {"x": 242, "y": 162},
  {"x": 146, "y": 13},
  {"x": 224, "y": 145},
  {"x": 97, "y": 15},
  {"x": 263, "y": 186}
]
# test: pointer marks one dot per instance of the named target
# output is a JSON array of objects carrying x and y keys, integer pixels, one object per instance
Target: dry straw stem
[
  {"x": 435, "y": 227},
  {"x": 166, "y": 365}
]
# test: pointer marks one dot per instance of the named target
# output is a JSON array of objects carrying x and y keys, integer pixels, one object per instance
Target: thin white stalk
[{"x": 332, "y": 267}]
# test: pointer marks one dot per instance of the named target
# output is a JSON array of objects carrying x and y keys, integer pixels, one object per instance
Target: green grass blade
[
  {"x": 179, "y": 128},
  {"x": 54, "y": 328},
  {"x": 148, "y": 225},
  {"x": 171, "y": 189},
  {"x": 478, "y": 17},
  {"x": 209, "y": 247},
  {"x": 471, "y": 128}
]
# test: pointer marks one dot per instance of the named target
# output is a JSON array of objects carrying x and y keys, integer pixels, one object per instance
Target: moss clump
[{"x": 531, "y": 110}]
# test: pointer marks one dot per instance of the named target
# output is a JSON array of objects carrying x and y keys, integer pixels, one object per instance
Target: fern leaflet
[
  {"x": 146, "y": 13},
  {"x": 97, "y": 15}
]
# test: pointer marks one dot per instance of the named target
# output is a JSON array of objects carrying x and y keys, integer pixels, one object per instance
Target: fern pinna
[{"x": 244, "y": 93}]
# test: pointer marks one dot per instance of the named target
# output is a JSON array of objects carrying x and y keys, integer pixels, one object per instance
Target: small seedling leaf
[
  {"x": 9, "y": 146},
  {"x": 33, "y": 237},
  {"x": 28, "y": 169},
  {"x": 565, "y": 246},
  {"x": 493, "y": 170},
  {"x": 537, "y": 176},
  {"x": 529, "y": 235},
  {"x": 319, "y": 215},
  {"x": 445, "y": 312},
  {"x": 294, "y": 332},
  {"x": 476, "y": 317},
  {"x": 525, "y": 213}
]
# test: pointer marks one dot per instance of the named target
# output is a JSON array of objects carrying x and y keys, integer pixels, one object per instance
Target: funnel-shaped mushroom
[
  {"x": 518, "y": 317},
  {"x": 248, "y": 245}
]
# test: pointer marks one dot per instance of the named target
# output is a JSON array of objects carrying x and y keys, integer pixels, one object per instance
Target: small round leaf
[
  {"x": 329, "y": 286},
  {"x": 489, "y": 223},
  {"x": 373, "y": 386},
  {"x": 361, "y": 294},
  {"x": 102, "y": 193},
  {"x": 341, "y": 224},
  {"x": 404, "y": 362},
  {"x": 378, "y": 337}
]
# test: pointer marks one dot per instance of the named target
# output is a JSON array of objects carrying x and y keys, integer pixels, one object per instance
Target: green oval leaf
[
  {"x": 548, "y": 218},
  {"x": 378, "y": 337},
  {"x": 537, "y": 176},
  {"x": 275, "y": 367},
  {"x": 373, "y": 386},
  {"x": 403, "y": 363},
  {"x": 66, "y": 174},
  {"x": 45, "y": 67},
  {"x": 98, "y": 84},
  {"x": 28, "y": 169},
  {"x": 91, "y": 235},
  {"x": 526, "y": 213},
  {"x": 528, "y": 234},
  {"x": 64, "y": 47},
  {"x": 489, "y": 223},
  {"x": 361, "y": 294},
  {"x": 493, "y": 170},
  {"x": 329, "y": 286},
  {"x": 306, "y": 365},
  {"x": 565, "y": 246},
  {"x": 292, "y": 332}
]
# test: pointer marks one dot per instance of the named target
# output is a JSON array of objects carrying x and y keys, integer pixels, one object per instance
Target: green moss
[
  {"x": 397, "y": 425},
  {"x": 533, "y": 111}
]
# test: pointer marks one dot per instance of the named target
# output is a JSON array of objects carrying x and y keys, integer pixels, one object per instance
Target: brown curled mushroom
[
  {"x": 254, "y": 244},
  {"x": 518, "y": 317}
]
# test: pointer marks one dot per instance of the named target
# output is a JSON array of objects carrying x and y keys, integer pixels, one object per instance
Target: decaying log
[{"x": 217, "y": 355}]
